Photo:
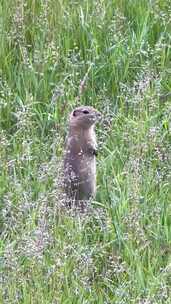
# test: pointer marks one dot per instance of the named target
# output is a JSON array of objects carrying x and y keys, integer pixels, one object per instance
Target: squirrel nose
[{"x": 98, "y": 115}]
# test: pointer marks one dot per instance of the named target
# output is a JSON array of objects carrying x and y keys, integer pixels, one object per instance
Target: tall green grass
[{"x": 120, "y": 250}]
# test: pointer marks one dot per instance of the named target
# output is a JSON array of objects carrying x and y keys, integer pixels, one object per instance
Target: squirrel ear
[{"x": 74, "y": 113}]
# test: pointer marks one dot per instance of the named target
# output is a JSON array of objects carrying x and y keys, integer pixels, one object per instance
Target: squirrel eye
[
  {"x": 74, "y": 113},
  {"x": 86, "y": 112}
]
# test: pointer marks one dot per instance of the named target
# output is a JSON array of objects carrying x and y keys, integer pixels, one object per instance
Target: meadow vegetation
[{"x": 119, "y": 251}]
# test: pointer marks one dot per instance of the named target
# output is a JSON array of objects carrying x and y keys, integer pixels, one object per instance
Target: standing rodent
[{"x": 80, "y": 154}]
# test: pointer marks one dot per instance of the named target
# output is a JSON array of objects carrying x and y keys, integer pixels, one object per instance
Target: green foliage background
[{"x": 120, "y": 251}]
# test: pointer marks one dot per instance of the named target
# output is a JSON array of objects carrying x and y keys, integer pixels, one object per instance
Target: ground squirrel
[{"x": 80, "y": 154}]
